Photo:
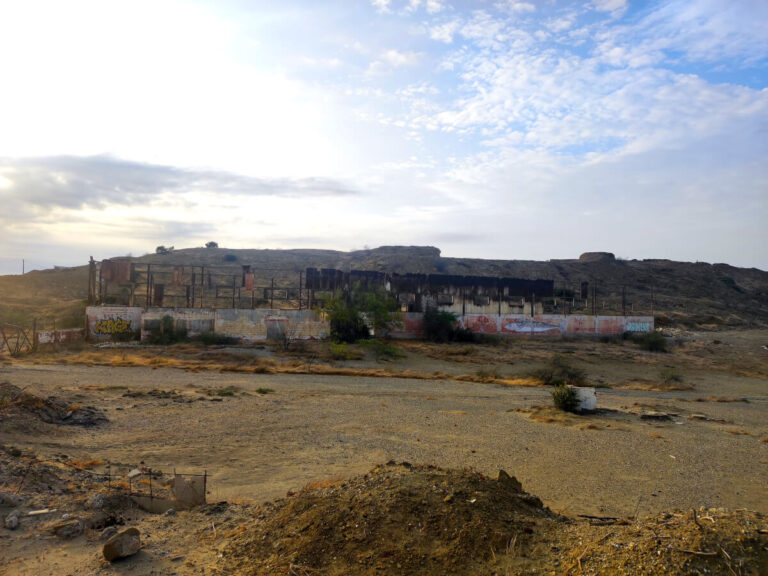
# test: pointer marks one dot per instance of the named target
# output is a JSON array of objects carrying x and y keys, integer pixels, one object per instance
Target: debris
[
  {"x": 69, "y": 528},
  {"x": 43, "y": 511},
  {"x": 12, "y": 521},
  {"x": 657, "y": 416},
  {"x": 95, "y": 502},
  {"x": 122, "y": 544}
]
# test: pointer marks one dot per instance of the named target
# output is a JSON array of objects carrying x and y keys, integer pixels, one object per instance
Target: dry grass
[
  {"x": 324, "y": 483},
  {"x": 764, "y": 440},
  {"x": 452, "y": 412},
  {"x": 651, "y": 386},
  {"x": 84, "y": 464},
  {"x": 655, "y": 436},
  {"x": 719, "y": 399},
  {"x": 739, "y": 432}
]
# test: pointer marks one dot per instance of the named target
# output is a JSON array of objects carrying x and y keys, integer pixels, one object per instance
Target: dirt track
[{"x": 309, "y": 427}]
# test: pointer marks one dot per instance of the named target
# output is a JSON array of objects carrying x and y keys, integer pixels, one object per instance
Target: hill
[{"x": 684, "y": 294}]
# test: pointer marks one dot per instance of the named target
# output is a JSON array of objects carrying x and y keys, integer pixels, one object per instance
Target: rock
[
  {"x": 448, "y": 499},
  {"x": 170, "y": 512},
  {"x": 12, "y": 521},
  {"x": 95, "y": 502},
  {"x": 9, "y": 500},
  {"x": 509, "y": 482},
  {"x": 108, "y": 532},
  {"x": 122, "y": 544},
  {"x": 13, "y": 451},
  {"x": 68, "y": 529}
]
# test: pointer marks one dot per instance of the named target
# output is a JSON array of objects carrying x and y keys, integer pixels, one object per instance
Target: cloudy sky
[{"x": 488, "y": 128}]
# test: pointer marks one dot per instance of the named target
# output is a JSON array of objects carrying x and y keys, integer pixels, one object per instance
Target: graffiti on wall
[
  {"x": 638, "y": 327},
  {"x": 528, "y": 326},
  {"x": 112, "y": 326}
]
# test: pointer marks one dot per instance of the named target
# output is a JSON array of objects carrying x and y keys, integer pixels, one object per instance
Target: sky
[{"x": 490, "y": 128}]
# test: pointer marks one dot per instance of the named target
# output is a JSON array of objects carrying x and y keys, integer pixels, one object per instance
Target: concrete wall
[
  {"x": 260, "y": 324},
  {"x": 67, "y": 336},
  {"x": 107, "y": 322},
  {"x": 538, "y": 325},
  {"x": 195, "y": 321}
]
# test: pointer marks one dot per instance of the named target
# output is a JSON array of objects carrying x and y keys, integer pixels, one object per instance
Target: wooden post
[
  {"x": 149, "y": 268},
  {"x": 234, "y": 282},
  {"x": 272, "y": 295},
  {"x": 300, "y": 275},
  {"x": 34, "y": 334}
]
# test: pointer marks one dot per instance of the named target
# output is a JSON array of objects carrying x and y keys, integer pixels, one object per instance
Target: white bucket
[{"x": 586, "y": 399}]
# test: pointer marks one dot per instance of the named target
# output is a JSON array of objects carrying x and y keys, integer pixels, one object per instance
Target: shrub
[
  {"x": 559, "y": 373},
  {"x": 382, "y": 350},
  {"x": 489, "y": 374},
  {"x": 352, "y": 314},
  {"x": 340, "y": 351},
  {"x": 564, "y": 399},
  {"x": 439, "y": 325},
  {"x": 670, "y": 376},
  {"x": 211, "y": 339},
  {"x": 211, "y": 244},
  {"x": 651, "y": 341}
]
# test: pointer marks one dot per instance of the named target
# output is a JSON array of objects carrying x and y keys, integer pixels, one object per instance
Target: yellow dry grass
[
  {"x": 649, "y": 385},
  {"x": 452, "y": 412},
  {"x": 719, "y": 399},
  {"x": 324, "y": 483}
]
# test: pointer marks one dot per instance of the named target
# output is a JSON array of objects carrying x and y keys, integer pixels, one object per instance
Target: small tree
[
  {"x": 211, "y": 244},
  {"x": 354, "y": 313},
  {"x": 439, "y": 325}
]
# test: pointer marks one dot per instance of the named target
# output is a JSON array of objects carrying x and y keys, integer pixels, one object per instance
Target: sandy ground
[{"x": 259, "y": 444}]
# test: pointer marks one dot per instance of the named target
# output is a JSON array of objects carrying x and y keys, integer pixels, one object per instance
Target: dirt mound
[
  {"x": 403, "y": 519},
  {"x": 17, "y": 402}
]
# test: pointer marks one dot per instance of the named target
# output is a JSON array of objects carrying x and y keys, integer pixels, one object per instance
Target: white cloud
[
  {"x": 393, "y": 58},
  {"x": 517, "y": 6},
  {"x": 381, "y": 5},
  {"x": 444, "y": 32}
]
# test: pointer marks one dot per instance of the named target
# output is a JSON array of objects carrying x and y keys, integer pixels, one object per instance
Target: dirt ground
[{"x": 699, "y": 441}]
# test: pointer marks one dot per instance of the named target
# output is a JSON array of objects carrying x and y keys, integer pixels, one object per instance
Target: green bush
[
  {"x": 340, "y": 351},
  {"x": 651, "y": 341},
  {"x": 559, "y": 373},
  {"x": 382, "y": 350},
  {"x": 564, "y": 399},
  {"x": 352, "y": 315},
  {"x": 439, "y": 325}
]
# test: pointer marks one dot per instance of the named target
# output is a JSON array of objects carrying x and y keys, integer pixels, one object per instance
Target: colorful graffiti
[
  {"x": 527, "y": 326},
  {"x": 112, "y": 326},
  {"x": 638, "y": 327}
]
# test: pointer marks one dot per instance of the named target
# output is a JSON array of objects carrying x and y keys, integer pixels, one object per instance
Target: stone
[
  {"x": 8, "y": 499},
  {"x": 122, "y": 544},
  {"x": 95, "y": 502},
  {"x": 12, "y": 521},
  {"x": 108, "y": 532},
  {"x": 170, "y": 512},
  {"x": 69, "y": 528}
]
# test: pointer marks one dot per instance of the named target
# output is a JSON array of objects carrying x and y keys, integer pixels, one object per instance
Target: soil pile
[
  {"x": 18, "y": 403},
  {"x": 403, "y": 519}
]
